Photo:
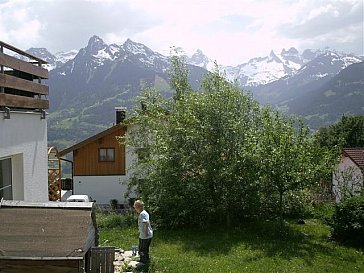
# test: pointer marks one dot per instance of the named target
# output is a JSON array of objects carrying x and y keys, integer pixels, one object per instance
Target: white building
[
  {"x": 348, "y": 178},
  {"x": 23, "y": 127}
]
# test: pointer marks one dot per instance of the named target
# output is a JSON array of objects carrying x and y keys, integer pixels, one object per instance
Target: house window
[
  {"x": 6, "y": 191},
  {"x": 106, "y": 154}
]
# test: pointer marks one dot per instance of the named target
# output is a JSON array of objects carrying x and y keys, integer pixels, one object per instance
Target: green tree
[
  {"x": 289, "y": 160},
  {"x": 347, "y": 133},
  {"x": 179, "y": 75},
  {"x": 215, "y": 155},
  {"x": 202, "y": 145}
]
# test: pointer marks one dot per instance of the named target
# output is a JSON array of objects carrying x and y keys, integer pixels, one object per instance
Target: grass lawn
[{"x": 252, "y": 248}]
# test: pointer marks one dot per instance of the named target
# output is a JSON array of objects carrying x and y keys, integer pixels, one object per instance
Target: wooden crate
[{"x": 102, "y": 260}]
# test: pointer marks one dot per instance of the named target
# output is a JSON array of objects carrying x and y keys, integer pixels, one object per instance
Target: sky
[{"x": 228, "y": 31}]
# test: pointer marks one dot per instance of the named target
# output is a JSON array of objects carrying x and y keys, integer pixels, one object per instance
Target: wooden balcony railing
[{"x": 21, "y": 76}]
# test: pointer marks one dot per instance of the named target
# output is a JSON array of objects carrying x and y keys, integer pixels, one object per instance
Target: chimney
[{"x": 120, "y": 114}]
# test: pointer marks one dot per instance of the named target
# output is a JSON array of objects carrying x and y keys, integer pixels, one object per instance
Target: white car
[{"x": 79, "y": 198}]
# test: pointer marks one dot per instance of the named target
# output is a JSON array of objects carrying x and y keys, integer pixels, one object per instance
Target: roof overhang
[{"x": 92, "y": 138}]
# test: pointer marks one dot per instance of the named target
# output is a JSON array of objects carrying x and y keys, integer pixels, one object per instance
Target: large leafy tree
[
  {"x": 202, "y": 151},
  {"x": 214, "y": 155},
  {"x": 289, "y": 160}
]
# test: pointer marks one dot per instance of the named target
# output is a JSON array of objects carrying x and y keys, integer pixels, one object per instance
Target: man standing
[{"x": 145, "y": 231}]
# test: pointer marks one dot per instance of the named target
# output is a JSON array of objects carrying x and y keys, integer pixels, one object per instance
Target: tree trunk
[
  {"x": 228, "y": 219},
  {"x": 281, "y": 210}
]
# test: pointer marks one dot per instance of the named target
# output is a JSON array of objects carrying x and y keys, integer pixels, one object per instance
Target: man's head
[{"x": 139, "y": 205}]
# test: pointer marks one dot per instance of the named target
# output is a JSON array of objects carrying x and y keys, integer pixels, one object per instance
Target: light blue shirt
[{"x": 143, "y": 220}]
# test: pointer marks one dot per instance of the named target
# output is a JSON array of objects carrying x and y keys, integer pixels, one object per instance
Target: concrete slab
[{"x": 135, "y": 264}]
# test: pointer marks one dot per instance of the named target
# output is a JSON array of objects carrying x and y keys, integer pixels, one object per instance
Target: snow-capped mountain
[
  {"x": 264, "y": 70},
  {"x": 98, "y": 54},
  {"x": 105, "y": 68},
  {"x": 201, "y": 60},
  {"x": 259, "y": 70},
  {"x": 86, "y": 85},
  {"x": 328, "y": 63},
  {"x": 325, "y": 65},
  {"x": 100, "y": 77},
  {"x": 54, "y": 61},
  {"x": 64, "y": 56},
  {"x": 43, "y": 54},
  {"x": 146, "y": 55},
  {"x": 256, "y": 72}
]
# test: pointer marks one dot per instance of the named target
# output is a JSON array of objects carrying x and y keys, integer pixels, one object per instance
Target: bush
[
  {"x": 324, "y": 212},
  {"x": 114, "y": 204},
  {"x": 298, "y": 204},
  {"x": 348, "y": 221},
  {"x": 114, "y": 220}
]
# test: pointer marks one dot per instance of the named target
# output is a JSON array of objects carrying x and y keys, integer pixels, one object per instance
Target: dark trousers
[{"x": 144, "y": 249}]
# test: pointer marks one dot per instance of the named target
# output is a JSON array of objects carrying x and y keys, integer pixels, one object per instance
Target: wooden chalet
[
  {"x": 100, "y": 154},
  {"x": 100, "y": 164}
]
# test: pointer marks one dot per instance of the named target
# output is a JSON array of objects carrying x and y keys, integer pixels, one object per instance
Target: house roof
[
  {"x": 356, "y": 155},
  {"x": 49, "y": 230},
  {"x": 91, "y": 139}
]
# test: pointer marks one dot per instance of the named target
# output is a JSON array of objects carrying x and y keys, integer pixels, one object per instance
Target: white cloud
[
  {"x": 17, "y": 26},
  {"x": 230, "y": 31}
]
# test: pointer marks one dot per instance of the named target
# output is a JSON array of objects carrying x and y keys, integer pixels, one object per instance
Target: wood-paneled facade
[
  {"x": 86, "y": 154},
  {"x": 21, "y": 76}
]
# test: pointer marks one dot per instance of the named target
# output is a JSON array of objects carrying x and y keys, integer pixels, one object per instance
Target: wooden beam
[
  {"x": 21, "y": 52},
  {"x": 21, "y": 65},
  {"x": 40, "y": 258},
  {"x": 58, "y": 266},
  {"x": 23, "y": 102},
  {"x": 21, "y": 84}
]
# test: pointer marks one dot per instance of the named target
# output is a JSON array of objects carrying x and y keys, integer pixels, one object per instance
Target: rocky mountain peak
[
  {"x": 308, "y": 54},
  {"x": 199, "y": 55},
  {"x": 274, "y": 57},
  {"x": 257, "y": 71},
  {"x": 42, "y": 53},
  {"x": 144, "y": 55},
  {"x": 201, "y": 60},
  {"x": 95, "y": 44},
  {"x": 290, "y": 52},
  {"x": 136, "y": 48}
]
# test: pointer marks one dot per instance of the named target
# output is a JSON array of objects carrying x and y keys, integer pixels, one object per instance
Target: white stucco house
[
  {"x": 23, "y": 126},
  {"x": 347, "y": 180},
  {"x": 101, "y": 167}
]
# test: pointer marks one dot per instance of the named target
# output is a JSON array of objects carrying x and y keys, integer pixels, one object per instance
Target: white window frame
[{"x": 11, "y": 179}]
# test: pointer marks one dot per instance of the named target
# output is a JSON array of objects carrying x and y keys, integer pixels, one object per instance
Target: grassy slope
[{"x": 254, "y": 248}]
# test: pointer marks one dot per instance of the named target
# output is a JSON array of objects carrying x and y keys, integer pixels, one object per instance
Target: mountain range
[{"x": 87, "y": 84}]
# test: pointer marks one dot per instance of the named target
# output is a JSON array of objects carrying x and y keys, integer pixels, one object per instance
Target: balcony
[{"x": 21, "y": 76}]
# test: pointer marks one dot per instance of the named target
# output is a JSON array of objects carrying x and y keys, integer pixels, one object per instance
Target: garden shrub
[
  {"x": 348, "y": 221},
  {"x": 298, "y": 204},
  {"x": 324, "y": 212},
  {"x": 113, "y": 220}
]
